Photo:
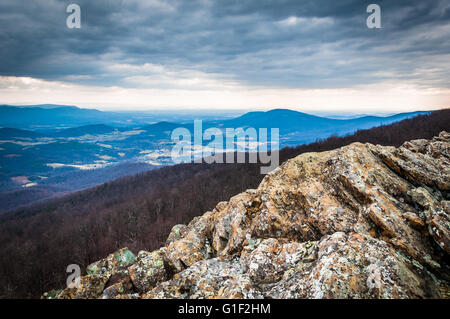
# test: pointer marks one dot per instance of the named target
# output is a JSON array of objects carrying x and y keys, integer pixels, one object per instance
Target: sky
[{"x": 311, "y": 55}]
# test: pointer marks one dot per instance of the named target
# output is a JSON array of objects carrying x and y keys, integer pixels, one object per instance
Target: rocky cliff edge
[{"x": 362, "y": 221}]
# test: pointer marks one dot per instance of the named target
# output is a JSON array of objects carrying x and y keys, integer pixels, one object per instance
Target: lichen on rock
[
  {"x": 117, "y": 261},
  {"x": 148, "y": 270}
]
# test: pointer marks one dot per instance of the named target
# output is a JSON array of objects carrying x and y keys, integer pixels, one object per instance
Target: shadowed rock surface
[{"x": 362, "y": 221}]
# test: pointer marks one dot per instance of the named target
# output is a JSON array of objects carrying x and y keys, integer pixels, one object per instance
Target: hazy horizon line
[{"x": 149, "y": 109}]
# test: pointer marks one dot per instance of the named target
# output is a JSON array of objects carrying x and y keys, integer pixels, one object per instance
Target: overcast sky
[{"x": 244, "y": 54}]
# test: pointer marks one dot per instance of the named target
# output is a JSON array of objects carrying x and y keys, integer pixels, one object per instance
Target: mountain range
[
  {"x": 41, "y": 145},
  {"x": 49, "y": 116}
]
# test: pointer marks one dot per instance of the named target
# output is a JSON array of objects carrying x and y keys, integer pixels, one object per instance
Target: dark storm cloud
[{"x": 281, "y": 43}]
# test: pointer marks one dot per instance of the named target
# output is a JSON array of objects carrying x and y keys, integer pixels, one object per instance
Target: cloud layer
[{"x": 224, "y": 45}]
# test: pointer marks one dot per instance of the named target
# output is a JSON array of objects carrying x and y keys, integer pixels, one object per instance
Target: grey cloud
[{"x": 243, "y": 40}]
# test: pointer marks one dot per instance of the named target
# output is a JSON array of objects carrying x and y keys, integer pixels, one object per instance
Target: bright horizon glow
[{"x": 381, "y": 97}]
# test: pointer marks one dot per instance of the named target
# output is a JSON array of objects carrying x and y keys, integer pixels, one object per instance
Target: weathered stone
[
  {"x": 439, "y": 225},
  {"x": 121, "y": 287},
  {"x": 356, "y": 266},
  {"x": 115, "y": 262},
  {"x": 185, "y": 252},
  {"x": 90, "y": 287},
  {"x": 193, "y": 246},
  {"x": 268, "y": 262},
  {"x": 148, "y": 270},
  {"x": 118, "y": 276},
  {"x": 415, "y": 220},
  {"x": 211, "y": 279},
  {"x": 177, "y": 232}
]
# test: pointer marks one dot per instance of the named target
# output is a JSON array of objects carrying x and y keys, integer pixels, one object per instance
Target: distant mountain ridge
[
  {"x": 46, "y": 116},
  {"x": 294, "y": 119},
  {"x": 42, "y": 106},
  {"x": 72, "y": 116},
  {"x": 22, "y": 117},
  {"x": 301, "y": 127}
]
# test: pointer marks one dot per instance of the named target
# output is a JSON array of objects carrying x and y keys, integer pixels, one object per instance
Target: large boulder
[
  {"x": 208, "y": 279},
  {"x": 90, "y": 287},
  {"x": 189, "y": 244},
  {"x": 148, "y": 270},
  {"x": 118, "y": 261},
  {"x": 355, "y": 266}
]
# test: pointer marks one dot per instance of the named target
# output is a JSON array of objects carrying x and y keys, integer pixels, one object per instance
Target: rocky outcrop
[{"x": 362, "y": 221}]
